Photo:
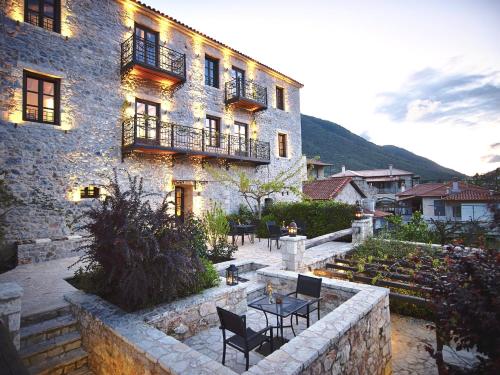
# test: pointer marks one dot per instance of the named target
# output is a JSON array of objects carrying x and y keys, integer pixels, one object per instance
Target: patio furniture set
[{"x": 282, "y": 306}]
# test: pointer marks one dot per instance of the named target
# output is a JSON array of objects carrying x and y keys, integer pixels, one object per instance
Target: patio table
[
  {"x": 246, "y": 229},
  {"x": 287, "y": 307}
]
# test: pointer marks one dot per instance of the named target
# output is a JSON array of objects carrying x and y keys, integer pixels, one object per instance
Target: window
[
  {"x": 282, "y": 145},
  {"x": 439, "y": 208},
  {"x": 211, "y": 72},
  {"x": 280, "y": 98},
  {"x": 212, "y": 131},
  {"x": 146, "y": 45},
  {"x": 89, "y": 192},
  {"x": 147, "y": 118},
  {"x": 40, "y": 98},
  {"x": 239, "y": 76},
  {"x": 43, "y": 13},
  {"x": 241, "y": 132},
  {"x": 457, "y": 211}
]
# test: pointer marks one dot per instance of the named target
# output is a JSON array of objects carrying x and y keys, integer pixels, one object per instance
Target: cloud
[
  {"x": 432, "y": 95},
  {"x": 366, "y": 135},
  {"x": 494, "y": 156}
]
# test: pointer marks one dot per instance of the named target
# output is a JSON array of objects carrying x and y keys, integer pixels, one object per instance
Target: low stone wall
[
  {"x": 188, "y": 316},
  {"x": 10, "y": 309},
  {"x": 121, "y": 343},
  {"x": 354, "y": 338},
  {"x": 45, "y": 249},
  {"x": 328, "y": 237}
]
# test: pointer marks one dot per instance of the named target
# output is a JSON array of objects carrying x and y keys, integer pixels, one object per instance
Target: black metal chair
[
  {"x": 244, "y": 339},
  {"x": 275, "y": 233},
  {"x": 310, "y": 287},
  {"x": 233, "y": 231},
  {"x": 301, "y": 227},
  {"x": 268, "y": 223}
]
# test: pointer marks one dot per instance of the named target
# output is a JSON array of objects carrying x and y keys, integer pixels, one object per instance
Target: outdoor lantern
[
  {"x": 358, "y": 215},
  {"x": 232, "y": 275},
  {"x": 292, "y": 229}
]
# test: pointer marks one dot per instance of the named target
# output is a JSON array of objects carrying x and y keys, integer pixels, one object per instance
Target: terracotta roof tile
[
  {"x": 325, "y": 189},
  {"x": 468, "y": 192}
]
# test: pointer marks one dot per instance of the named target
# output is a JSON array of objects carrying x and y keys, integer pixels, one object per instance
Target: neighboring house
[
  {"x": 455, "y": 200},
  {"x": 382, "y": 184},
  {"x": 316, "y": 169},
  {"x": 341, "y": 189},
  {"x": 90, "y": 86}
]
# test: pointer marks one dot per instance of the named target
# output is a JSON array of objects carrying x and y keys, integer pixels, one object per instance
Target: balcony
[
  {"x": 152, "y": 61},
  {"x": 149, "y": 135},
  {"x": 246, "y": 94}
]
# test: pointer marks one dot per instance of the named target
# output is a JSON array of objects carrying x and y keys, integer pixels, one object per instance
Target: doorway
[
  {"x": 146, "y": 45},
  {"x": 147, "y": 116}
]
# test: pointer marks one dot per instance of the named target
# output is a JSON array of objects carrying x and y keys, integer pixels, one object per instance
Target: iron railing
[
  {"x": 238, "y": 88},
  {"x": 137, "y": 50},
  {"x": 150, "y": 132}
]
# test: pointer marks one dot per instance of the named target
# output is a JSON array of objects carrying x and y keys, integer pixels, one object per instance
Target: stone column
[
  {"x": 293, "y": 253},
  {"x": 361, "y": 230},
  {"x": 10, "y": 309}
]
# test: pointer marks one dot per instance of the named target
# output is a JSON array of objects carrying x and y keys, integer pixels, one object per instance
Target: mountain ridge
[{"x": 356, "y": 153}]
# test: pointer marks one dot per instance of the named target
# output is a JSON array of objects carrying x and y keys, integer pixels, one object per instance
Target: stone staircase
[{"x": 51, "y": 344}]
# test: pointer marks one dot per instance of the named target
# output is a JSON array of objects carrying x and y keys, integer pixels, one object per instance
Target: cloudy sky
[{"x": 418, "y": 74}]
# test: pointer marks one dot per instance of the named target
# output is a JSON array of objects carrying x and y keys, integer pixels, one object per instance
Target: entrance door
[
  {"x": 179, "y": 202},
  {"x": 239, "y": 76},
  {"x": 147, "y": 117},
  {"x": 146, "y": 45}
]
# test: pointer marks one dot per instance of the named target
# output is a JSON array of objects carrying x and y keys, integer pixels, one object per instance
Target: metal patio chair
[{"x": 310, "y": 287}]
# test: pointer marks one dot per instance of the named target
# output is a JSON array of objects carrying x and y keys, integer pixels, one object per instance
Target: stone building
[{"x": 88, "y": 87}]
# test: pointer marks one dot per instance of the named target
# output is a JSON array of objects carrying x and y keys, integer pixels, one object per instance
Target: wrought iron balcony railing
[
  {"x": 246, "y": 93},
  {"x": 149, "y": 55},
  {"x": 149, "y": 134}
]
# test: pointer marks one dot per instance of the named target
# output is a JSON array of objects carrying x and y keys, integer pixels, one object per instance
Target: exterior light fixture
[
  {"x": 232, "y": 275},
  {"x": 292, "y": 229},
  {"x": 358, "y": 214}
]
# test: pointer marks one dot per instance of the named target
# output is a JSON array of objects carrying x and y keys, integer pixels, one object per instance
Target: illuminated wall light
[
  {"x": 16, "y": 11},
  {"x": 74, "y": 195},
  {"x": 128, "y": 16}
]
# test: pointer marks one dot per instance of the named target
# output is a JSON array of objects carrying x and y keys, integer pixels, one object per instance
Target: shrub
[
  {"x": 319, "y": 217},
  {"x": 217, "y": 229},
  {"x": 209, "y": 277},
  {"x": 416, "y": 230},
  {"x": 243, "y": 216},
  {"x": 138, "y": 256},
  {"x": 261, "y": 227}
]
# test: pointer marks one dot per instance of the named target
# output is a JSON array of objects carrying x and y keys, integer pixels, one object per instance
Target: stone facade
[
  {"x": 45, "y": 249},
  {"x": 361, "y": 230},
  {"x": 293, "y": 253},
  {"x": 10, "y": 309},
  {"x": 46, "y": 165}
]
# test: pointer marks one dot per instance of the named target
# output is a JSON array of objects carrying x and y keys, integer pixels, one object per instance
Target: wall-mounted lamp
[
  {"x": 18, "y": 23},
  {"x": 15, "y": 124},
  {"x": 67, "y": 38}
]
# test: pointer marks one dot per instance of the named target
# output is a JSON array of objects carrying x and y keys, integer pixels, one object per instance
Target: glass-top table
[{"x": 286, "y": 308}]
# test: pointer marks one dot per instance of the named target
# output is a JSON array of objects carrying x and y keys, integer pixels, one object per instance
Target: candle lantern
[
  {"x": 232, "y": 275},
  {"x": 358, "y": 214},
  {"x": 292, "y": 229}
]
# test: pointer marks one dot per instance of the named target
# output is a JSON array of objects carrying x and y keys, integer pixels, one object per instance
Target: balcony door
[
  {"x": 146, "y": 46},
  {"x": 147, "y": 116},
  {"x": 180, "y": 196},
  {"x": 241, "y": 133},
  {"x": 239, "y": 78}
]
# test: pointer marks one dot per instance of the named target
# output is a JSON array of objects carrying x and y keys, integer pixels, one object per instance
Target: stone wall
[
  {"x": 45, "y": 164},
  {"x": 120, "y": 343},
  {"x": 10, "y": 309},
  {"x": 354, "y": 338},
  {"x": 188, "y": 316},
  {"x": 45, "y": 249}
]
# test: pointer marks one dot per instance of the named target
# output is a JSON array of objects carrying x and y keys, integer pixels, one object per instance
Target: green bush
[
  {"x": 261, "y": 227},
  {"x": 416, "y": 230},
  {"x": 319, "y": 217},
  {"x": 208, "y": 278},
  {"x": 243, "y": 216},
  {"x": 217, "y": 230}
]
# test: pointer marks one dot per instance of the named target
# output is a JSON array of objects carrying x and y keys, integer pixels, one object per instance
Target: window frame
[
  {"x": 282, "y": 151},
  {"x": 57, "y": 97},
  {"x": 56, "y": 26},
  {"x": 208, "y": 131},
  {"x": 280, "y": 98},
  {"x": 212, "y": 81},
  {"x": 85, "y": 192},
  {"x": 438, "y": 207}
]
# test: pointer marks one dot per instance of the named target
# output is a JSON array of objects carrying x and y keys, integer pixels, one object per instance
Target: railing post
[
  {"x": 172, "y": 133},
  {"x": 135, "y": 127}
]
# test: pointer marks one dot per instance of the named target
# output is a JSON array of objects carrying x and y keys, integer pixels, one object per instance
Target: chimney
[
  {"x": 343, "y": 170},
  {"x": 455, "y": 188},
  {"x": 390, "y": 169}
]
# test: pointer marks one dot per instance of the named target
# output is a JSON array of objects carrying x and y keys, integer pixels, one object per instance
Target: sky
[{"x": 419, "y": 74}]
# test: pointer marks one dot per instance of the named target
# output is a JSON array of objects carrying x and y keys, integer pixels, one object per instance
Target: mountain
[
  {"x": 490, "y": 180},
  {"x": 337, "y": 145}
]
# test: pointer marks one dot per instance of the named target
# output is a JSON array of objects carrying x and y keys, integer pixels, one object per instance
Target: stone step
[
  {"x": 38, "y": 332},
  {"x": 82, "y": 371},
  {"x": 65, "y": 364},
  {"x": 45, "y": 315},
  {"x": 51, "y": 348}
]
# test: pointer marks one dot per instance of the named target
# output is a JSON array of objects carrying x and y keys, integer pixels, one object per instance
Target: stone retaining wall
[
  {"x": 45, "y": 249},
  {"x": 121, "y": 343},
  {"x": 10, "y": 309},
  {"x": 355, "y": 338},
  {"x": 186, "y": 317}
]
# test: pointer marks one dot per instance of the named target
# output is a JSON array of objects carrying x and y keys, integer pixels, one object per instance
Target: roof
[
  {"x": 317, "y": 162},
  {"x": 373, "y": 173},
  {"x": 467, "y": 192},
  {"x": 378, "y": 213},
  {"x": 328, "y": 188},
  {"x": 183, "y": 25}
]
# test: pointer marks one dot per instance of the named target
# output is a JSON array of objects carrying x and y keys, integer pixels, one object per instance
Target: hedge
[{"x": 319, "y": 217}]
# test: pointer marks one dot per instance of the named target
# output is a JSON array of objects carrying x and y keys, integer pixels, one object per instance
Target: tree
[{"x": 255, "y": 189}]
